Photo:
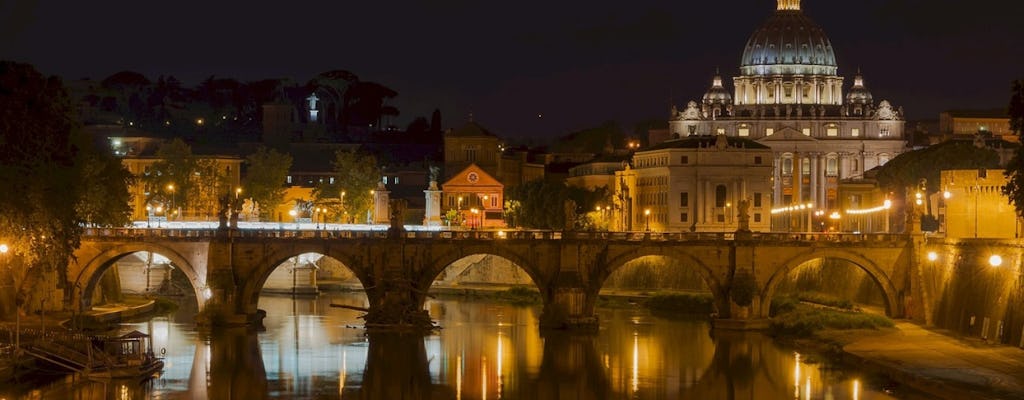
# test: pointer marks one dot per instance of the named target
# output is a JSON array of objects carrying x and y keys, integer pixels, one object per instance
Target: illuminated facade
[
  {"x": 696, "y": 184},
  {"x": 971, "y": 204},
  {"x": 789, "y": 97},
  {"x": 165, "y": 203}
]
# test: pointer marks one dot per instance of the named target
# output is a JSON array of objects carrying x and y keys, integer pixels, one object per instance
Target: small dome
[
  {"x": 717, "y": 94},
  {"x": 788, "y": 43},
  {"x": 859, "y": 94}
]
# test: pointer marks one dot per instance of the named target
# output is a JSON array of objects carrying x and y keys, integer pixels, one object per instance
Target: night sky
[{"x": 525, "y": 69}]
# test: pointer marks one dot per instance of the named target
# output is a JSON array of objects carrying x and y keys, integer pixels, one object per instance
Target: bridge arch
[
  {"x": 877, "y": 274},
  {"x": 89, "y": 276},
  {"x": 679, "y": 254},
  {"x": 434, "y": 267},
  {"x": 253, "y": 284}
]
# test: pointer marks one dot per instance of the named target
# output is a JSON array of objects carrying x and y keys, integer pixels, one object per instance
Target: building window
[
  {"x": 769, "y": 131},
  {"x": 385, "y": 179},
  {"x": 883, "y": 132},
  {"x": 494, "y": 201},
  {"x": 721, "y": 217},
  {"x": 684, "y": 199},
  {"x": 757, "y": 217},
  {"x": 806, "y": 131},
  {"x": 855, "y": 132},
  {"x": 787, "y": 166},
  {"x": 720, "y": 131},
  {"x": 683, "y": 217},
  {"x": 757, "y": 160},
  {"x": 757, "y": 199},
  {"x": 832, "y": 131},
  {"x": 470, "y": 154},
  {"x": 332, "y": 180},
  {"x": 806, "y": 166},
  {"x": 288, "y": 179},
  {"x": 744, "y": 132},
  {"x": 396, "y": 180},
  {"x": 831, "y": 166},
  {"x": 684, "y": 160},
  {"x": 692, "y": 129},
  {"x": 720, "y": 194}
]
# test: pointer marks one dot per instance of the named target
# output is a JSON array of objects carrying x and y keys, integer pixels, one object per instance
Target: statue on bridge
[
  {"x": 397, "y": 217},
  {"x": 743, "y": 216}
]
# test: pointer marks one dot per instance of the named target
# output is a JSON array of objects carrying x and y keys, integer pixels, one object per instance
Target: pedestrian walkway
[{"x": 944, "y": 366}]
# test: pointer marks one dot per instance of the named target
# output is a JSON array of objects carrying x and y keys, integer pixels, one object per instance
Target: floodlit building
[
  {"x": 971, "y": 204},
  {"x": 789, "y": 97},
  {"x": 696, "y": 184}
]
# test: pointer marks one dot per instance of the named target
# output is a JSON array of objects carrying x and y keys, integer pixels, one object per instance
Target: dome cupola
[
  {"x": 859, "y": 94},
  {"x": 717, "y": 93},
  {"x": 788, "y": 43}
]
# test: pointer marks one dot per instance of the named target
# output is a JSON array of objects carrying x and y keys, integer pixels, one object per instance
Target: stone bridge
[{"x": 228, "y": 268}]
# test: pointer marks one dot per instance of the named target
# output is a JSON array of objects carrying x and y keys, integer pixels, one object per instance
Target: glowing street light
[
  {"x": 647, "y": 218},
  {"x": 932, "y": 256},
  {"x": 995, "y": 260},
  {"x": 3, "y": 248}
]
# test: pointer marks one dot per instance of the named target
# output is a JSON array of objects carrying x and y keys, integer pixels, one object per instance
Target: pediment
[{"x": 787, "y": 134}]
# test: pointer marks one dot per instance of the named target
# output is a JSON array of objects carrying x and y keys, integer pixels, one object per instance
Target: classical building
[
  {"x": 472, "y": 144},
  {"x": 970, "y": 122},
  {"x": 696, "y": 184},
  {"x": 971, "y": 204},
  {"x": 789, "y": 97},
  {"x": 473, "y": 198}
]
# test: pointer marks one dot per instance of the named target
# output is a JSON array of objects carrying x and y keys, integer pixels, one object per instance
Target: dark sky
[{"x": 575, "y": 63}]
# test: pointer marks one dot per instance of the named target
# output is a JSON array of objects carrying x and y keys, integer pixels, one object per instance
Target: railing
[{"x": 143, "y": 233}]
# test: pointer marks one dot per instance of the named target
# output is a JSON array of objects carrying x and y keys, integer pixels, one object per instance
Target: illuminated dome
[
  {"x": 788, "y": 43},
  {"x": 717, "y": 94},
  {"x": 859, "y": 94}
]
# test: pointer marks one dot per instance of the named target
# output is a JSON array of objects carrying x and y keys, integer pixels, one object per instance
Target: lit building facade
[
  {"x": 971, "y": 204},
  {"x": 789, "y": 97},
  {"x": 476, "y": 197},
  {"x": 165, "y": 203},
  {"x": 696, "y": 184}
]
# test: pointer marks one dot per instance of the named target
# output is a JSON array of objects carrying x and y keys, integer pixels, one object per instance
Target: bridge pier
[{"x": 569, "y": 304}]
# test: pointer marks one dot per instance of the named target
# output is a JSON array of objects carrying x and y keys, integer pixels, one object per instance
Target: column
[
  {"x": 798, "y": 181},
  {"x": 704, "y": 195},
  {"x": 778, "y": 90},
  {"x": 813, "y": 188},
  {"x": 798, "y": 91},
  {"x": 777, "y": 184},
  {"x": 822, "y": 182}
]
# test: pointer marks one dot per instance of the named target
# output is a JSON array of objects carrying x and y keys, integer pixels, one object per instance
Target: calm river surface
[{"x": 484, "y": 351}]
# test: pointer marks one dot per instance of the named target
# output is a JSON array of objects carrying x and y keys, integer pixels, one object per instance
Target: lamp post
[
  {"x": 149, "y": 215},
  {"x": 647, "y": 219},
  {"x": 170, "y": 188},
  {"x": 343, "y": 205}
]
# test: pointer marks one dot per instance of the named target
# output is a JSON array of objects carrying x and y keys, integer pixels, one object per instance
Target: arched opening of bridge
[
  {"x": 141, "y": 280},
  {"x": 305, "y": 286},
  {"x": 662, "y": 283},
  {"x": 493, "y": 287},
  {"x": 833, "y": 284}
]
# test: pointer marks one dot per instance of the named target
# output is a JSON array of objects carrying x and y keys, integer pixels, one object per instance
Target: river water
[{"x": 484, "y": 351}]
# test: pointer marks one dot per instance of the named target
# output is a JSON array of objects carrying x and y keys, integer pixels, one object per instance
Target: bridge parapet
[{"x": 129, "y": 233}]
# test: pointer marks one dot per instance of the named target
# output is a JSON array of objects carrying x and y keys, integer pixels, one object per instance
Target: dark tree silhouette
[{"x": 1015, "y": 168}]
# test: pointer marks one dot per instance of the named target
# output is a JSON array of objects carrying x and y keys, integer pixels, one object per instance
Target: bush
[
  {"x": 825, "y": 300},
  {"x": 804, "y": 321}
]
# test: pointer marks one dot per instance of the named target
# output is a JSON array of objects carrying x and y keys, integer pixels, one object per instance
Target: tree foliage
[
  {"x": 540, "y": 204},
  {"x": 54, "y": 182},
  {"x": 907, "y": 169},
  {"x": 267, "y": 170},
  {"x": 1015, "y": 168},
  {"x": 349, "y": 197}
]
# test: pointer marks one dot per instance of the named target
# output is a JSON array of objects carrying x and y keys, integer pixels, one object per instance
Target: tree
[
  {"x": 1015, "y": 168},
  {"x": 349, "y": 196},
  {"x": 48, "y": 178},
  {"x": 265, "y": 177},
  {"x": 170, "y": 178},
  {"x": 538, "y": 204},
  {"x": 103, "y": 185}
]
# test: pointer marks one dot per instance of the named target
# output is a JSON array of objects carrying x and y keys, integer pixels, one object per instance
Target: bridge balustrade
[{"x": 142, "y": 233}]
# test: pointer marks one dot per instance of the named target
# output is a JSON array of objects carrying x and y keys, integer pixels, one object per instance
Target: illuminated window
[
  {"x": 494, "y": 201},
  {"x": 806, "y": 167},
  {"x": 288, "y": 179},
  {"x": 721, "y": 131},
  {"x": 831, "y": 166},
  {"x": 807, "y": 131},
  {"x": 855, "y": 132},
  {"x": 744, "y": 132},
  {"x": 832, "y": 131},
  {"x": 787, "y": 166},
  {"x": 883, "y": 132},
  {"x": 769, "y": 131}
]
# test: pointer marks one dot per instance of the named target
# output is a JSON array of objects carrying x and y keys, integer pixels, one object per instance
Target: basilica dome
[{"x": 788, "y": 43}]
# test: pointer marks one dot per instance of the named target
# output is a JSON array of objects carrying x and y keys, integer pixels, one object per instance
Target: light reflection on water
[{"x": 484, "y": 351}]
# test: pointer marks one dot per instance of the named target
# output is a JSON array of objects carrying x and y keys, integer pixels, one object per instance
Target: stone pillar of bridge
[
  {"x": 570, "y": 303},
  {"x": 742, "y": 296},
  {"x": 381, "y": 203},
  {"x": 392, "y": 287},
  {"x": 226, "y": 307}
]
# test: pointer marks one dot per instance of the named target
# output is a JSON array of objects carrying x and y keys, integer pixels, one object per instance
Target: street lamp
[
  {"x": 995, "y": 260},
  {"x": 835, "y": 216},
  {"x": 170, "y": 188},
  {"x": 296, "y": 220},
  {"x": 647, "y": 219}
]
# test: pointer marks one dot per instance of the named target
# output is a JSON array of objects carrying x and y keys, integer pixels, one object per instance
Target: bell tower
[{"x": 789, "y": 5}]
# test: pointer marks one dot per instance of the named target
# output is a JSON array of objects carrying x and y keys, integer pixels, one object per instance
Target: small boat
[{"x": 121, "y": 357}]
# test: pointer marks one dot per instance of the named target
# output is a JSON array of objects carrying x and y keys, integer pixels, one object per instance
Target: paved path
[{"x": 944, "y": 366}]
